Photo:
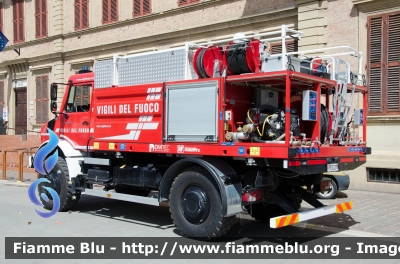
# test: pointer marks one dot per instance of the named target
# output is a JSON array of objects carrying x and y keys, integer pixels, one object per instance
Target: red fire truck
[{"x": 212, "y": 130}]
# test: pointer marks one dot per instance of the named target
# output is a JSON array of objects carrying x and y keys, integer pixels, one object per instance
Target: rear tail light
[{"x": 251, "y": 196}]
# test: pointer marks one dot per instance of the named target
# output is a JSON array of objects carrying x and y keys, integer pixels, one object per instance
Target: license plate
[{"x": 333, "y": 167}]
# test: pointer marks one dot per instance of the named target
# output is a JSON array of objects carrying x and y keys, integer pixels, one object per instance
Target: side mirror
[
  {"x": 53, "y": 91},
  {"x": 53, "y": 107}
]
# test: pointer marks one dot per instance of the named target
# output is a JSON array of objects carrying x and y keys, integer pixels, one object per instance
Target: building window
[
  {"x": 42, "y": 99},
  {"x": 384, "y": 64},
  {"x": 141, "y": 7},
  {"x": 1, "y": 16},
  {"x": 81, "y": 14},
  {"x": 41, "y": 18},
  {"x": 18, "y": 20},
  {"x": 110, "y": 11},
  {"x": 383, "y": 175},
  {"x": 276, "y": 48},
  {"x": 187, "y": 2}
]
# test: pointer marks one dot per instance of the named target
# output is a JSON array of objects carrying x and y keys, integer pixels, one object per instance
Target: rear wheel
[
  {"x": 58, "y": 178},
  {"x": 195, "y": 205}
]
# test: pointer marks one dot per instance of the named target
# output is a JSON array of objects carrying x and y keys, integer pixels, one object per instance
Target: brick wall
[
  {"x": 342, "y": 27},
  {"x": 10, "y": 142}
]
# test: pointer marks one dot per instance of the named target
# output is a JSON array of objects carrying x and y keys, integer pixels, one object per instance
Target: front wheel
[
  {"x": 59, "y": 178},
  {"x": 196, "y": 207}
]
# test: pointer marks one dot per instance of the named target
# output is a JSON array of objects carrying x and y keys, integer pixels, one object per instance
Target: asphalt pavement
[{"x": 372, "y": 211}]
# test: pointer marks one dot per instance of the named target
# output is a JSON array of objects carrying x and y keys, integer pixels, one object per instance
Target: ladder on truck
[{"x": 341, "y": 110}]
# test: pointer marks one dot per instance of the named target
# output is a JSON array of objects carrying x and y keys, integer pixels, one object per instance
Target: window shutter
[
  {"x": 44, "y": 88},
  {"x": 393, "y": 81},
  {"x": 45, "y": 99},
  {"x": 21, "y": 20},
  {"x": 394, "y": 38},
  {"x": 187, "y": 2},
  {"x": 37, "y": 17},
  {"x": 15, "y": 21},
  {"x": 44, "y": 17},
  {"x": 375, "y": 96},
  {"x": 384, "y": 64},
  {"x": 393, "y": 89},
  {"x": 375, "y": 61},
  {"x": 291, "y": 46},
  {"x": 78, "y": 95},
  {"x": 77, "y": 8},
  {"x": 114, "y": 10},
  {"x": 276, "y": 48},
  {"x": 141, "y": 7},
  {"x": 38, "y": 100},
  {"x": 105, "y": 11},
  {"x": 42, "y": 100},
  {"x": 21, "y": 30},
  {"x": 136, "y": 8},
  {"x": 86, "y": 95},
  {"x": 182, "y": 2},
  {"x": 45, "y": 111},
  {"x": 375, "y": 42},
  {"x": 85, "y": 16},
  {"x": 1, "y": 16},
  {"x": 146, "y": 7}
]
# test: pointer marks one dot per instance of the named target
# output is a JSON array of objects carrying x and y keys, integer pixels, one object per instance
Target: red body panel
[{"x": 128, "y": 114}]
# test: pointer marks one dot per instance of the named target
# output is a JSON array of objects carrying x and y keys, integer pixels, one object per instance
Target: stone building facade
[{"x": 56, "y": 38}]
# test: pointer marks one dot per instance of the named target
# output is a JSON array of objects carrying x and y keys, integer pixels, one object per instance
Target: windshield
[{"x": 79, "y": 98}]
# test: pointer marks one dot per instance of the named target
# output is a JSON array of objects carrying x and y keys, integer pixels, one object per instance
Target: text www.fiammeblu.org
[{"x": 230, "y": 248}]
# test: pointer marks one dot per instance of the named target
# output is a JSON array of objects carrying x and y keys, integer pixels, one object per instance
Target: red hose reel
[{"x": 204, "y": 59}]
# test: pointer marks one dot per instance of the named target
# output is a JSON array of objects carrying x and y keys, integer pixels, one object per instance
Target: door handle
[{"x": 85, "y": 123}]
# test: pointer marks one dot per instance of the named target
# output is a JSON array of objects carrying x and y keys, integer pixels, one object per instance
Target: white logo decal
[
  {"x": 191, "y": 149},
  {"x": 181, "y": 149},
  {"x": 158, "y": 148}
]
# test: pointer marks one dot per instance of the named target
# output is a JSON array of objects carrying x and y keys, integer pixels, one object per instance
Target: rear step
[{"x": 290, "y": 219}]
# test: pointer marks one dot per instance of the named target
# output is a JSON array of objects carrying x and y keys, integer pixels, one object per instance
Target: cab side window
[{"x": 79, "y": 99}]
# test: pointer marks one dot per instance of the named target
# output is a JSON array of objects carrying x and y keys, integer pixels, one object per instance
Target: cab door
[{"x": 75, "y": 122}]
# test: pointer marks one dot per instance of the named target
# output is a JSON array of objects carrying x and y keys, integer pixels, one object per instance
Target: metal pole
[
  {"x": 21, "y": 166},
  {"x": 4, "y": 165}
]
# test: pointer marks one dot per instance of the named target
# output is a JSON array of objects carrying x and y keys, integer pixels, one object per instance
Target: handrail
[
  {"x": 286, "y": 33},
  {"x": 23, "y": 130}
]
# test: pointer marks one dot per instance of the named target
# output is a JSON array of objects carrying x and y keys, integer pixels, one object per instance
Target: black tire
[
  {"x": 59, "y": 178},
  {"x": 263, "y": 213},
  {"x": 195, "y": 205},
  {"x": 329, "y": 194}
]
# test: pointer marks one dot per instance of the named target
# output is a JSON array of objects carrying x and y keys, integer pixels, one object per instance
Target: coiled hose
[{"x": 236, "y": 59}]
